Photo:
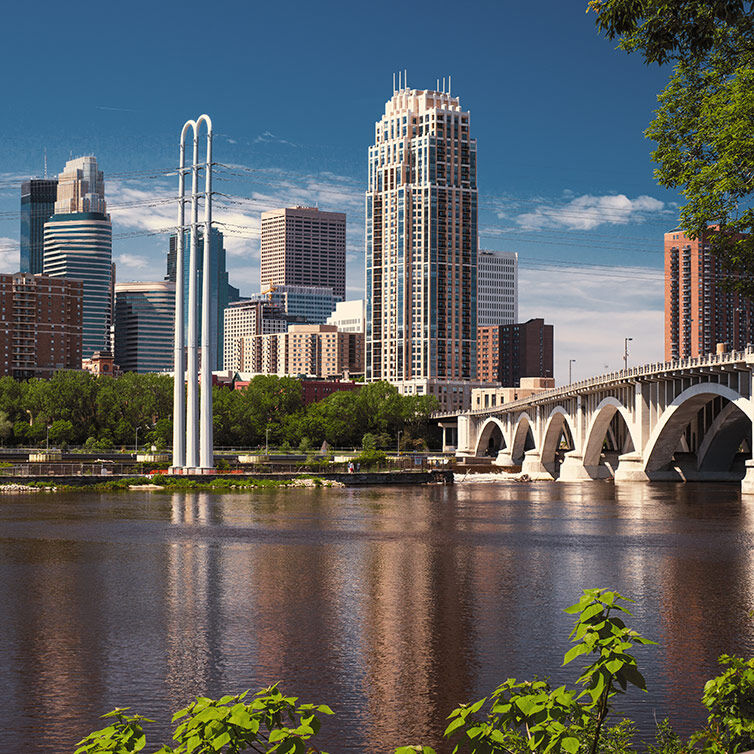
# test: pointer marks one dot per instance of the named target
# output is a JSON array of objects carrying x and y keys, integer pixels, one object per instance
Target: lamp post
[
  {"x": 571, "y": 362},
  {"x": 400, "y": 432},
  {"x": 48, "y": 438},
  {"x": 625, "y": 352},
  {"x": 267, "y": 441},
  {"x": 136, "y": 441}
]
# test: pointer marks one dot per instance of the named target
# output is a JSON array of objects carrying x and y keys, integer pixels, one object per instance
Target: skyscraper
[
  {"x": 220, "y": 288},
  {"x": 303, "y": 246},
  {"x": 37, "y": 206},
  {"x": 78, "y": 244},
  {"x": 506, "y": 353},
  {"x": 421, "y": 241},
  {"x": 497, "y": 288},
  {"x": 144, "y": 314},
  {"x": 699, "y": 313}
]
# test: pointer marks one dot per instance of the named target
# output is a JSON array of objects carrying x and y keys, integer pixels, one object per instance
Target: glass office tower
[{"x": 37, "y": 206}]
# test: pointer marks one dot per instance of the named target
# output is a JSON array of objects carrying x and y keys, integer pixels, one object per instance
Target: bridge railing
[{"x": 656, "y": 367}]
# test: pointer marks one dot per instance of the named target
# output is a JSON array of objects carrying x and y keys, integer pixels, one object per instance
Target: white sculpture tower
[{"x": 193, "y": 449}]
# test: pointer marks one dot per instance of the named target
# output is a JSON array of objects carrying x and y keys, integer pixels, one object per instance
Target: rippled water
[{"x": 390, "y": 604}]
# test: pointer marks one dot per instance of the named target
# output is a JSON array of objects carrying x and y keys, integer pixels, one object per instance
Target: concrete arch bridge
[{"x": 689, "y": 419}]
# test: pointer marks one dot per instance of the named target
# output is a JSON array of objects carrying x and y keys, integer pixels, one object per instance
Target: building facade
[
  {"x": 221, "y": 291},
  {"x": 699, "y": 313},
  {"x": 348, "y": 316},
  {"x": 40, "y": 325},
  {"x": 38, "y": 197},
  {"x": 243, "y": 321},
  {"x": 144, "y": 326},
  {"x": 303, "y": 246},
  {"x": 506, "y": 353},
  {"x": 78, "y": 244},
  {"x": 421, "y": 241},
  {"x": 304, "y": 350},
  {"x": 311, "y": 304},
  {"x": 497, "y": 288}
]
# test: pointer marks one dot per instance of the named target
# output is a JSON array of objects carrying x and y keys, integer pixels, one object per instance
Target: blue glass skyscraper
[{"x": 37, "y": 206}]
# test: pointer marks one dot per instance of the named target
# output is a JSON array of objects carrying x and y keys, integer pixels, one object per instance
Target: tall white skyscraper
[
  {"x": 421, "y": 241},
  {"x": 78, "y": 244},
  {"x": 497, "y": 288}
]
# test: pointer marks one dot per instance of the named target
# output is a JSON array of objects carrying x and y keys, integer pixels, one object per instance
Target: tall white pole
[
  {"x": 192, "y": 377},
  {"x": 206, "y": 446},
  {"x": 179, "y": 355}
]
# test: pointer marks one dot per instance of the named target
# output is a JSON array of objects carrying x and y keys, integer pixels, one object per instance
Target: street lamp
[
  {"x": 571, "y": 362},
  {"x": 400, "y": 432},
  {"x": 48, "y": 438},
  {"x": 267, "y": 441},
  {"x": 136, "y": 441},
  {"x": 625, "y": 353}
]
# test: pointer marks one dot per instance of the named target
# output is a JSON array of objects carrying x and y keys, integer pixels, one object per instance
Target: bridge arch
[
  {"x": 666, "y": 435},
  {"x": 598, "y": 428},
  {"x": 723, "y": 439},
  {"x": 522, "y": 432},
  {"x": 559, "y": 422},
  {"x": 491, "y": 437}
]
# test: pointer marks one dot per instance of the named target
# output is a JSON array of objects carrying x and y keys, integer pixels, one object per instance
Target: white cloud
[
  {"x": 9, "y": 255},
  {"x": 132, "y": 260},
  {"x": 587, "y": 212},
  {"x": 593, "y": 309}
]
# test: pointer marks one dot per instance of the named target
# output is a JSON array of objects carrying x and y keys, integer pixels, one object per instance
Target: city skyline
[{"x": 564, "y": 171}]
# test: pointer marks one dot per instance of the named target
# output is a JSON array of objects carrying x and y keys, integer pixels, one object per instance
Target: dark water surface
[{"x": 389, "y": 604}]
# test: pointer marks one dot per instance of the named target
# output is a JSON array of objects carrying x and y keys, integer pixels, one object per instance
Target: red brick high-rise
[
  {"x": 699, "y": 313},
  {"x": 40, "y": 325},
  {"x": 506, "y": 353}
]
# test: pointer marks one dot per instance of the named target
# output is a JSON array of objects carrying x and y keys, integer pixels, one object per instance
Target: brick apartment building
[
  {"x": 40, "y": 325},
  {"x": 506, "y": 353}
]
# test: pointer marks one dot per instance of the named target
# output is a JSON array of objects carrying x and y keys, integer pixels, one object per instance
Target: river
[{"x": 390, "y": 604}]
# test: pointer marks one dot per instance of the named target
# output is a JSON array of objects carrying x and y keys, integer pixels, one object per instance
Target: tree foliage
[{"x": 704, "y": 126}]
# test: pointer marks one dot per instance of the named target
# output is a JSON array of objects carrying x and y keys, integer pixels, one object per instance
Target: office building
[
  {"x": 78, "y": 245},
  {"x": 421, "y": 244},
  {"x": 348, "y": 316},
  {"x": 699, "y": 313},
  {"x": 497, "y": 288},
  {"x": 40, "y": 325},
  {"x": 303, "y": 246},
  {"x": 144, "y": 330},
  {"x": 37, "y": 206},
  {"x": 221, "y": 291},
  {"x": 506, "y": 353},
  {"x": 311, "y": 304},
  {"x": 244, "y": 320}
]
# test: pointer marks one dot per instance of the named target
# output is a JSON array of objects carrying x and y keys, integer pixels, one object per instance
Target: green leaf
[
  {"x": 575, "y": 652},
  {"x": 220, "y": 741}
]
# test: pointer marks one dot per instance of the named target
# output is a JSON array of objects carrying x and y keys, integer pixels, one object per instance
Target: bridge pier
[
  {"x": 504, "y": 459},
  {"x": 631, "y": 468},
  {"x": 747, "y": 483},
  {"x": 573, "y": 469},
  {"x": 533, "y": 466}
]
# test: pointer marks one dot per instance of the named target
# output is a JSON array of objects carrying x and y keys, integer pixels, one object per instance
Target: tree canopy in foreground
[{"x": 704, "y": 126}]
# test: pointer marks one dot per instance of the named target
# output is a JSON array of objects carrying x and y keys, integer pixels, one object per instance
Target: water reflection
[{"x": 391, "y": 604}]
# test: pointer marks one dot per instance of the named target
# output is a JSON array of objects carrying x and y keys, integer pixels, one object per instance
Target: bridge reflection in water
[{"x": 683, "y": 420}]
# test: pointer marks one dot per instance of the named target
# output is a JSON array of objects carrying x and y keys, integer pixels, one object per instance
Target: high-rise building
[
  {"x": 40, "y": 325},
  {"x": 144, "y": 330},
  {"x": 506, "y": 353},
  {"x": 245, "y": 320},
  {"x": 37, "y": 206},
  {"x": 421, "y": 242},
  {"x": 78, "y": 245},
  {"x": 699, "y": 312},
  {"x": 497, "y": 288},
  {"x": 305, "y": 247},
  {"x": 221, "y": 291}
]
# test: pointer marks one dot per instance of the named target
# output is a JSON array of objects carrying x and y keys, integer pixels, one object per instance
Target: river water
[{"x": 390, "y": 604}]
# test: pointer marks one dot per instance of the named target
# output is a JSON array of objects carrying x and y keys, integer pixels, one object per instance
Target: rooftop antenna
[
  {"x": 405, "y": 78},
  {"x": 399, "y": 80},
  {"x": 393, "y": 82},
  {"x": 437, "y": 85},
  {"x": 450, "y": 79},
  {"x": 45, "y": 162}
]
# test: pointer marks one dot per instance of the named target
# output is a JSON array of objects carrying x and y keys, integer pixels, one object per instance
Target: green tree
[{"x": 703, "y": 127}]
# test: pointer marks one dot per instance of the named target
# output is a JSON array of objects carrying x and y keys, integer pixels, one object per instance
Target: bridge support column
[
  {"x": 504, "y": 459},
  {"x": 747, "y": 483},
  {"x": 533, "y": 466},
  {"x": 631, "y": 468},
  {"x": 573, "y": 470}
]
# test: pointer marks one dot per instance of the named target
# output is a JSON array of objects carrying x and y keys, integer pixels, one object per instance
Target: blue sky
[{"x": 294, "y": 89}]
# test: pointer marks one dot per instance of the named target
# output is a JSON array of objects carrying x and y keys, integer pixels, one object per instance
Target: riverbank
[{"x": 221, "y": 482}]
